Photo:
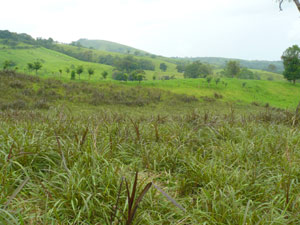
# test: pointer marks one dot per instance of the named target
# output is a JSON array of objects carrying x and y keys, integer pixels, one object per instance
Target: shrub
[
  {"x": 218, "y": 96},
  {"x": 16, "y": 84}
]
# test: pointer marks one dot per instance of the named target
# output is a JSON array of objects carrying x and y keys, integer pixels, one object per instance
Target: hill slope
[
  {"x": 109, "y": 46},
  {"x": 52, "y": 62},
  {"x": 251, "y": 64}
]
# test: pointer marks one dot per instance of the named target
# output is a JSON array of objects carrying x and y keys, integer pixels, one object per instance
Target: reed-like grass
[{"x": 65, "y": 167}]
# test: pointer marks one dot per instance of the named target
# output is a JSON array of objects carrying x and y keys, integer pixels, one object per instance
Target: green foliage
[
  {"x": 208, "y": 79},
  {"x": 79, "y": 70},
  {"x": 272, "y": 68},
  {"x": 73, "y": 75},
  {"x": 196, "y": 70},
  {"x": 232, "y": 68},
  {"x": 8, "y": 64},
  {"x": 104, "y": 74},
  {"x": 181, "y": 66},
  {"x": 119, "y": 75},
  {"x": 163, "y": 67},
  {"x": 291, "y": 62},
  {"x": 129, "y": 64},
  {"x": 245, "y": 73},
  {"x": 137, "y": 75},
  {"x": 91, "y": 71},
  {"x": 37, "y": 65},
  {"x": 251, "y": 64}
]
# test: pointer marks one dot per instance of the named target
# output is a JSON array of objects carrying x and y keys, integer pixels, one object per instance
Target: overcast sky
[{"x": 248, "y": 29}]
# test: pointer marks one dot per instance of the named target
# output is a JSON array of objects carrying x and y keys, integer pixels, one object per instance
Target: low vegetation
[{"x": 65, "y": 163}]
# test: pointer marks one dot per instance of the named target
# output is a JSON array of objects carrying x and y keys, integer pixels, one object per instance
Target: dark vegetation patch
[{"x": 42, "y": 93}]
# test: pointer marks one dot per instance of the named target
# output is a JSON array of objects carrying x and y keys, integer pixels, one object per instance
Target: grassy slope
[
  {"x": 52, "y": 61},
  {"x": 277, "y": 93},
  {"x": 171, "y": 70},
  {"x": 108, "y": 46}
]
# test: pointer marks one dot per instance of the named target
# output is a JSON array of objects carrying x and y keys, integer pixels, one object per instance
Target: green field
[{"x": 52, "y": 62}]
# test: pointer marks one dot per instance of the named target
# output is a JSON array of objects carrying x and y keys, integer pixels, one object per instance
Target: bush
[
  {"x": 16, "y": 84},
  {"x": 218, "y": 96}
]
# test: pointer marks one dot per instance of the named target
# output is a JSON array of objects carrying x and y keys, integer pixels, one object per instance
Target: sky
[{"x": 246, "y": 29}]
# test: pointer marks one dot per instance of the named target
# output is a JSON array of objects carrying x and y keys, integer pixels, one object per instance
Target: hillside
[
  {"x": 56, "y": 56},
  {"x": 109, "y": 46},
  {"x": 251, "y": 64},
  {"x": 52, "y": 62}
]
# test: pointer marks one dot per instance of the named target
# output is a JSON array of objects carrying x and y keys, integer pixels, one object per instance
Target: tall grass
[{"x": 223, "y": 168}]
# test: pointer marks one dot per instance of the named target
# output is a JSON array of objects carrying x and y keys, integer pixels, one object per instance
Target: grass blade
[
  {"x": 16, "y": 192},
  {"x": 169, "y": 198}
]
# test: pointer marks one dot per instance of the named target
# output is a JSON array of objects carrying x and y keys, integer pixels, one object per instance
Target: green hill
[
  {"x": 52, "y": 62},
  {"x": 251, "y": 64},
  {"x": 109, "y": 46}
]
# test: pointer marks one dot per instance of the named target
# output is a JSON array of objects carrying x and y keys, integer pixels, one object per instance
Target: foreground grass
[
  {"x": 65, "y": 147},
  {"x": 222, "y": 168}
]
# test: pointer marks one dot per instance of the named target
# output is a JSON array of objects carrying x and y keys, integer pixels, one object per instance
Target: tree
[
  {"x": 118, "y": 75},
  {"x": 163, "y": 67},
  {"x": 79, "y": 70},
  {"x": 30, "y": 66},
  {"x": 91, "y": 71},
  {"x": 67, "y": 70},
  {"x": 60, "y": 71},
  {"x": 297, "y": 3},
  {"x": 291, "y": 63},
  {"x": 8, "y": 64},
  {"x": 272, "y": 68},
  {"x": 196, "y": 70},
  {"x": 141, "y": 75},
  {"x": 104, "y": 74},
  {"x": 232, "y": 68},
  {"x": 36, "y": 66},
  {"x": 73, "y": 75},
  {"x": 245, "y": 73}
]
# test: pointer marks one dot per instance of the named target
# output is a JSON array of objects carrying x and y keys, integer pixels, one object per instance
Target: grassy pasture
[
  {"x": 52, "y": 61},
  {"x": 276, "y": 93}
]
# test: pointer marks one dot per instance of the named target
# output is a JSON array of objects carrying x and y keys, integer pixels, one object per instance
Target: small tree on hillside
[
  {"x": 30, "y": 66},
  {"x": 291, "y": 62},
  {"x": 8, "y": 64},
  {"x": 73, "y": 75},
  {"x": 104, "y": 74},
  {"x": 232, "y": 68},
  {"x": 91, "y": 71},
  {"x": 79, "y": 70},
  {"x": 60, "y": 72},
  {"x": 272, "y": 68},
  {"x": 37, "y": 66},
  {"x": 163, "y": 67}
]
